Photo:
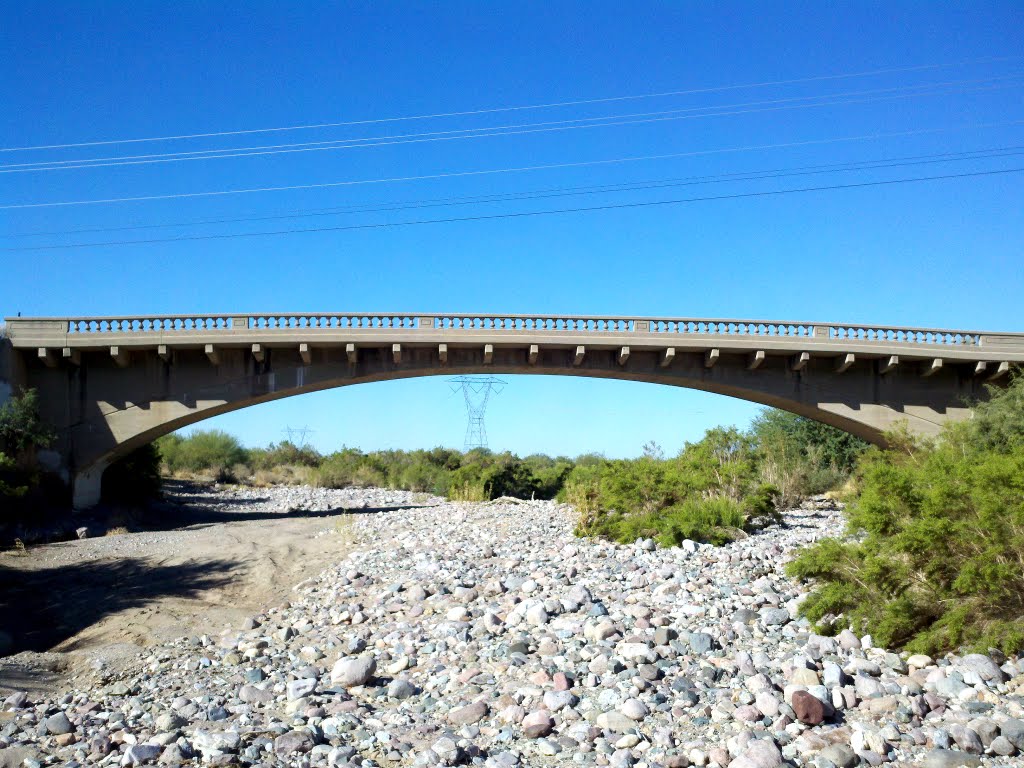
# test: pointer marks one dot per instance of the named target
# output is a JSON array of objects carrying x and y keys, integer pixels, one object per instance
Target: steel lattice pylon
[{"x": 477, "y": 391}]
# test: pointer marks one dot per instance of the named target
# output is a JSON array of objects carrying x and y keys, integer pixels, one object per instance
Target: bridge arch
[{"x": 111, "y": 432}]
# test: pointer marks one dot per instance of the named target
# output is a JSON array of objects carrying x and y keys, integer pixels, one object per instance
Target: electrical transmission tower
[
  {"x": 297, "y": 436},
  {"x": 477, "y": 391}
]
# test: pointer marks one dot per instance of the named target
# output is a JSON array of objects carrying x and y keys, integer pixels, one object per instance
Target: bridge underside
[{"x": 104, "y": 408}]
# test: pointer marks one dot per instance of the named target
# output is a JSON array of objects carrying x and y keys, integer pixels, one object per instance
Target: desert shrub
[
  {"x": 549, "y": 474},
  {"x": 710, "y": 492},
  {"x": 468, "y": 491},
  {"x": 715, "y": 520},
  {"x": 802, "y": 457},
  {"x": 133, "y": 478},
  {"x": 211, "y": 451},
  {"x": 22, "y": 433},
  {"x": 283, "y": 454},
  {"x": 338, "y": 469},
  {"x": 938, "y": 558}
]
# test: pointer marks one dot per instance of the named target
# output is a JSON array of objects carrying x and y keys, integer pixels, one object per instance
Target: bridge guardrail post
[
  {"x": 239, "y": 322},
  {"x": 642, "y": 326},
  {"x": 820, "y": 332},
  {"x": 424, "y": 323}
]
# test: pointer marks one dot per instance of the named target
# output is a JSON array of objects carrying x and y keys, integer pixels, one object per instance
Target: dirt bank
[{"x": 81, "y": 607}]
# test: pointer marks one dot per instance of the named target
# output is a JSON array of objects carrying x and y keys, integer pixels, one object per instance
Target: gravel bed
[{"x": 487, "y": 634}]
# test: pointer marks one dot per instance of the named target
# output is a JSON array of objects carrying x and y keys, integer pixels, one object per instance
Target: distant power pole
[
  {"x": 477, "y": 391},
  {"x": 297, "y": 436}
]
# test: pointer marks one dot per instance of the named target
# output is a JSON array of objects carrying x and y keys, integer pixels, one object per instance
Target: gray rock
[
  {"x": 966, "y": 739},
  {"x": 984, "y": 667},
  {"x": 840, "y": 756},
  {"x": 774, "y": 617},
  {"x": 58, "y": 724},
  {"x": 469, "y": 714},
  {"x": 137, "y": 754},
  {"x": 1002, "y": 746},
  {"x": 297, "y": 689},
  {"x": 634, "y": 709},
  {"x": 252, "y": 694},
  {"x": 400, "y": 688},
  {"x": 701, "y": 642},
  {"x": 349, "y": 672},
  {"x": 762, "y": 753},
  {"x": 211, "y": 742},
  {"x": 944, "y": 758},
  {"x": 1013, "y": 730},
  {"x": 170, "y": 721},
  {"x": 616, "y": 722},
  {"x": 293, "y": 742}
]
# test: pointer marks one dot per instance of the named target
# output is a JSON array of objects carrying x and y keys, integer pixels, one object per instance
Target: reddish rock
[
  {"x": 537, "y": 724},
  {"x": 809, "y": 709}
]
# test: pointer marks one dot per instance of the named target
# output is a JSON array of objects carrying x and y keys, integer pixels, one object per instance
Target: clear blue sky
[{"x": 942, "y": 253}]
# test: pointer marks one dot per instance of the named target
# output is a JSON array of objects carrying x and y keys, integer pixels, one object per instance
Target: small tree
[{"x": 22, "y": 433}]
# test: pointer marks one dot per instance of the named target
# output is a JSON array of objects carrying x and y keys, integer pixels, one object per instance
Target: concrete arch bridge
[{"x": 112, "y": 384}]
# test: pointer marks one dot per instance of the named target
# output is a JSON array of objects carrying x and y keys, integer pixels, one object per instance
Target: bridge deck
[{"x": 420, "y": 330}]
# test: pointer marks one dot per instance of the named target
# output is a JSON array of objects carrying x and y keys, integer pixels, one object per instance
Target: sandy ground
[{"x": 85, "y": 607}]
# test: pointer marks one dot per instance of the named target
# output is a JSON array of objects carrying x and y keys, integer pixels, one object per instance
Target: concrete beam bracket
[
  {"x": 72, "y": 356},
  {"x": 442, "y": 353},
  {"x": 667, "y": 357},
  {"x": 488, "y": 354},
  {"x": 933, "y": 367},
  {"x": 843, "y": 362},
  {"x": 800, "y": 361},
  {"x": 119, "y": 356},
  {"x": 304, "y": 354},
  {"x": 258, "y": 353},
  {"x": 623, "y": 356},
  {"x": 756, "y": 360},
  {"x": 352, "y": 353},
  {"x": 532, "y": 355},
  {"x": 163, "y": 353},
  {"x": 211, "y": 353},
  {"x": 711, "y": 357},
  {"x": 1001, "y": 370},
  {"x": 396, "y": 353},
  {"x": 887, "y": 365},
  {"x": 581, "y": 352}
]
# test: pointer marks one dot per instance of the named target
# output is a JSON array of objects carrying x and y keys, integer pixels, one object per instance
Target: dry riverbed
[
  {"x": 80, "y": 607},
  {"x": 429, "y": 633}
]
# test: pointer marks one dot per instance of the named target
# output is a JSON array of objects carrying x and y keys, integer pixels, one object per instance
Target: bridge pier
[{"x": 87, "y": 486}]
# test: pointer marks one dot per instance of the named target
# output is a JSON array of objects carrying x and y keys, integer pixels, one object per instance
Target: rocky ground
[{"x": 486, "y": 634}]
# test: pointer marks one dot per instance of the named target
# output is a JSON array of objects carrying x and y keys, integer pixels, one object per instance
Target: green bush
[
  {"x": 938, "y": 562},
  {"x": 282, "y": 454},
  {"x": 210, "y": 451},
  {"x": 710, "y": 492},
  {"x": 715, "y": 520},
  {"x": 22, "y": 433},
  {"x": 802, "y": 457}
]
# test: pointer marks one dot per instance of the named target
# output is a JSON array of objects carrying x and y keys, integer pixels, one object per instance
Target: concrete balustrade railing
[{"x": 59, "y": 331}]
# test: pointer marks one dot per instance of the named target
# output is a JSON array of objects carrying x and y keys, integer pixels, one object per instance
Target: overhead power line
[
  {"x": 524, "y": 214},
  {"x": 648, "y": 184},
  {"x": 516, "y": 108},
  {"x": 517, "y": 169},
  {"x": 521, "y": 129}
]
